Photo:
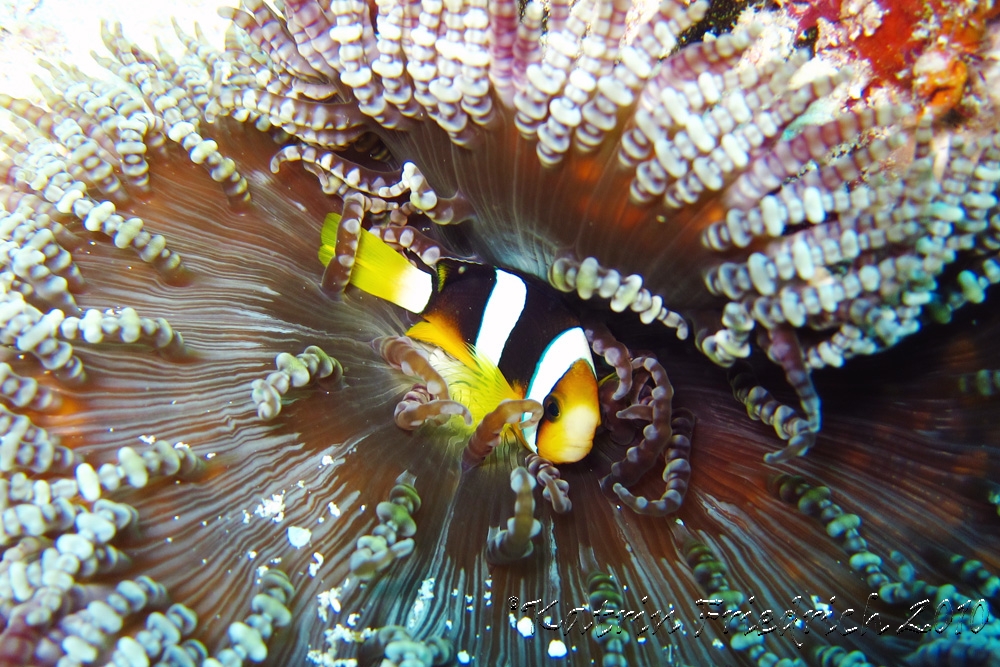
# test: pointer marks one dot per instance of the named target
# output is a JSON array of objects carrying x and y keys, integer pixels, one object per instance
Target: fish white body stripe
[
  {"x": 564, "y": 350},
  {"x": 503, "y": 310}
]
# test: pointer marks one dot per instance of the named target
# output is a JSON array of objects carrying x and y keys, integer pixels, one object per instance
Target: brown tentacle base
[
  {"x": 489, "y": 431},
  {"x": 555, "y": 490}
]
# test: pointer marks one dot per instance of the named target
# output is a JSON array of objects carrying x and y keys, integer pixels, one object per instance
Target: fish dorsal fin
[
  {"x": 380, "y": 270},
  {"x": 444, "y": 272},
  {"x": 450, "y": 269}
]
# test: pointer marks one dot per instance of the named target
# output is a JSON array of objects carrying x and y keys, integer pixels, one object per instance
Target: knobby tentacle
[
  {"x": 293, "y": 371},
  {"x": 401, "y": 353},
  {"x": 397, "y": 647},
  {"x": 426, "y": 400},
  {"x": 676, "y": 471},
  {"x": 656, "y": 407},
  {"x": 392, "y": 539},
  {"x": 417, "y": 407},
  {"x": 555, "y": 490},
  {"x": 405, "y": 237},
  {"x": 589, "y": 280},
  {"x": 764, "y": 407},
  {"x": 783, "y": 348},
  {"x": 643, "y": 393},
  {"x": 514, "y": 543},
  {"x": 489, "y": 431},
  {"x": 338, "y": 272},
  {"x": 616, "y": 354}
]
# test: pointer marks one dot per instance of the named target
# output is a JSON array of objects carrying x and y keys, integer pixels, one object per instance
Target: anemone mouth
[{"x": 389, "y": 549}]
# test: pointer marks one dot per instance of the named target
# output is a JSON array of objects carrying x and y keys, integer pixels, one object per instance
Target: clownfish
[{"x": 505, "y": 335}]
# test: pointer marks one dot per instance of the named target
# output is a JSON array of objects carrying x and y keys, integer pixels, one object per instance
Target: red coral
[{"x": 923, "y": 46}]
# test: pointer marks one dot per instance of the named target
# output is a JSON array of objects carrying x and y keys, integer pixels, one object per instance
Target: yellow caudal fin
[
  {"x": 328, "y": 238},
  {"x": 380, "y": 270}
]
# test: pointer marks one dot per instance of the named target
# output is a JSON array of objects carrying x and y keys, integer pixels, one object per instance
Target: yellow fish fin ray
[
  {"x": 477, "y": 384},
  {"x": 378, "y": 269},
  {"x": 328, "y": 235},
  {"x": 440, "y": 334},
  {"x": 328, "y": 238}
]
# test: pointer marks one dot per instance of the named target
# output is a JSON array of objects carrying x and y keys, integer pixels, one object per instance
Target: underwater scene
[{"x": 491, "y": 332}]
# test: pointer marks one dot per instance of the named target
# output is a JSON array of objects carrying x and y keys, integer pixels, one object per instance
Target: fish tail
[
  {"x": 328, "y": 238},
  {"x": 380, "y": 270}
]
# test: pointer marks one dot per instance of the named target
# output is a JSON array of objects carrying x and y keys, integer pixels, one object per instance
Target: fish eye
[{"x": 551, "y": 408}]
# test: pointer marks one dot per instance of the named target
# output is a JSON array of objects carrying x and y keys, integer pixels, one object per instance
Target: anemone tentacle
[{"x": 649, "y": 179}]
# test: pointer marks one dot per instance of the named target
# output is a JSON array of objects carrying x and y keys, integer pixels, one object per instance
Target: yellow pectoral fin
[
  {"x": 441, "y": 334},
  {"x": 473, "y": 381},
  {"x": 488, "y": 384},
  {"x": 518, "y": 435}
]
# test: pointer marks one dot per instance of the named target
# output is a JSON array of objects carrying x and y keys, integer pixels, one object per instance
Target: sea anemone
[{"x": 166, "y": 496}]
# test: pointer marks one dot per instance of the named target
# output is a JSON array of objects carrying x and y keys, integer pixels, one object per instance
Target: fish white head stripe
[
  {"x": 503, "y": 310},
  {"x": 565, "y": 349}
]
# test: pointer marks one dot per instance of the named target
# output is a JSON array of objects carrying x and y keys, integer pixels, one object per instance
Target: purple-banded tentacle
[
  {"x": 409, "y": 238},
  {"x": 490, "y": 430},
  {"x": 400, "y": 352},
  {"x": 617, "y": 356},
  {"x": 783, "y": 348},
  {"x": 655, "y": 436},
  {"x": 338, "y": 271},
  {"x": 417, "y": 406},
  {"x": 554, "y": 488},
  {"x": 676, "y": 471},
  {"x": 424, "y": 401},
  {"x": 339, "y": 175}
]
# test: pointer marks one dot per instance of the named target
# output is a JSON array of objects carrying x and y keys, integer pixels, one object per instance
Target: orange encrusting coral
[{"x": 921, "y": 46}]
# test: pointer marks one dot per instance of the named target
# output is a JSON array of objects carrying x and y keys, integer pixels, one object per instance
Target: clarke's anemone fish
[{"x": 506, "y": 335}]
